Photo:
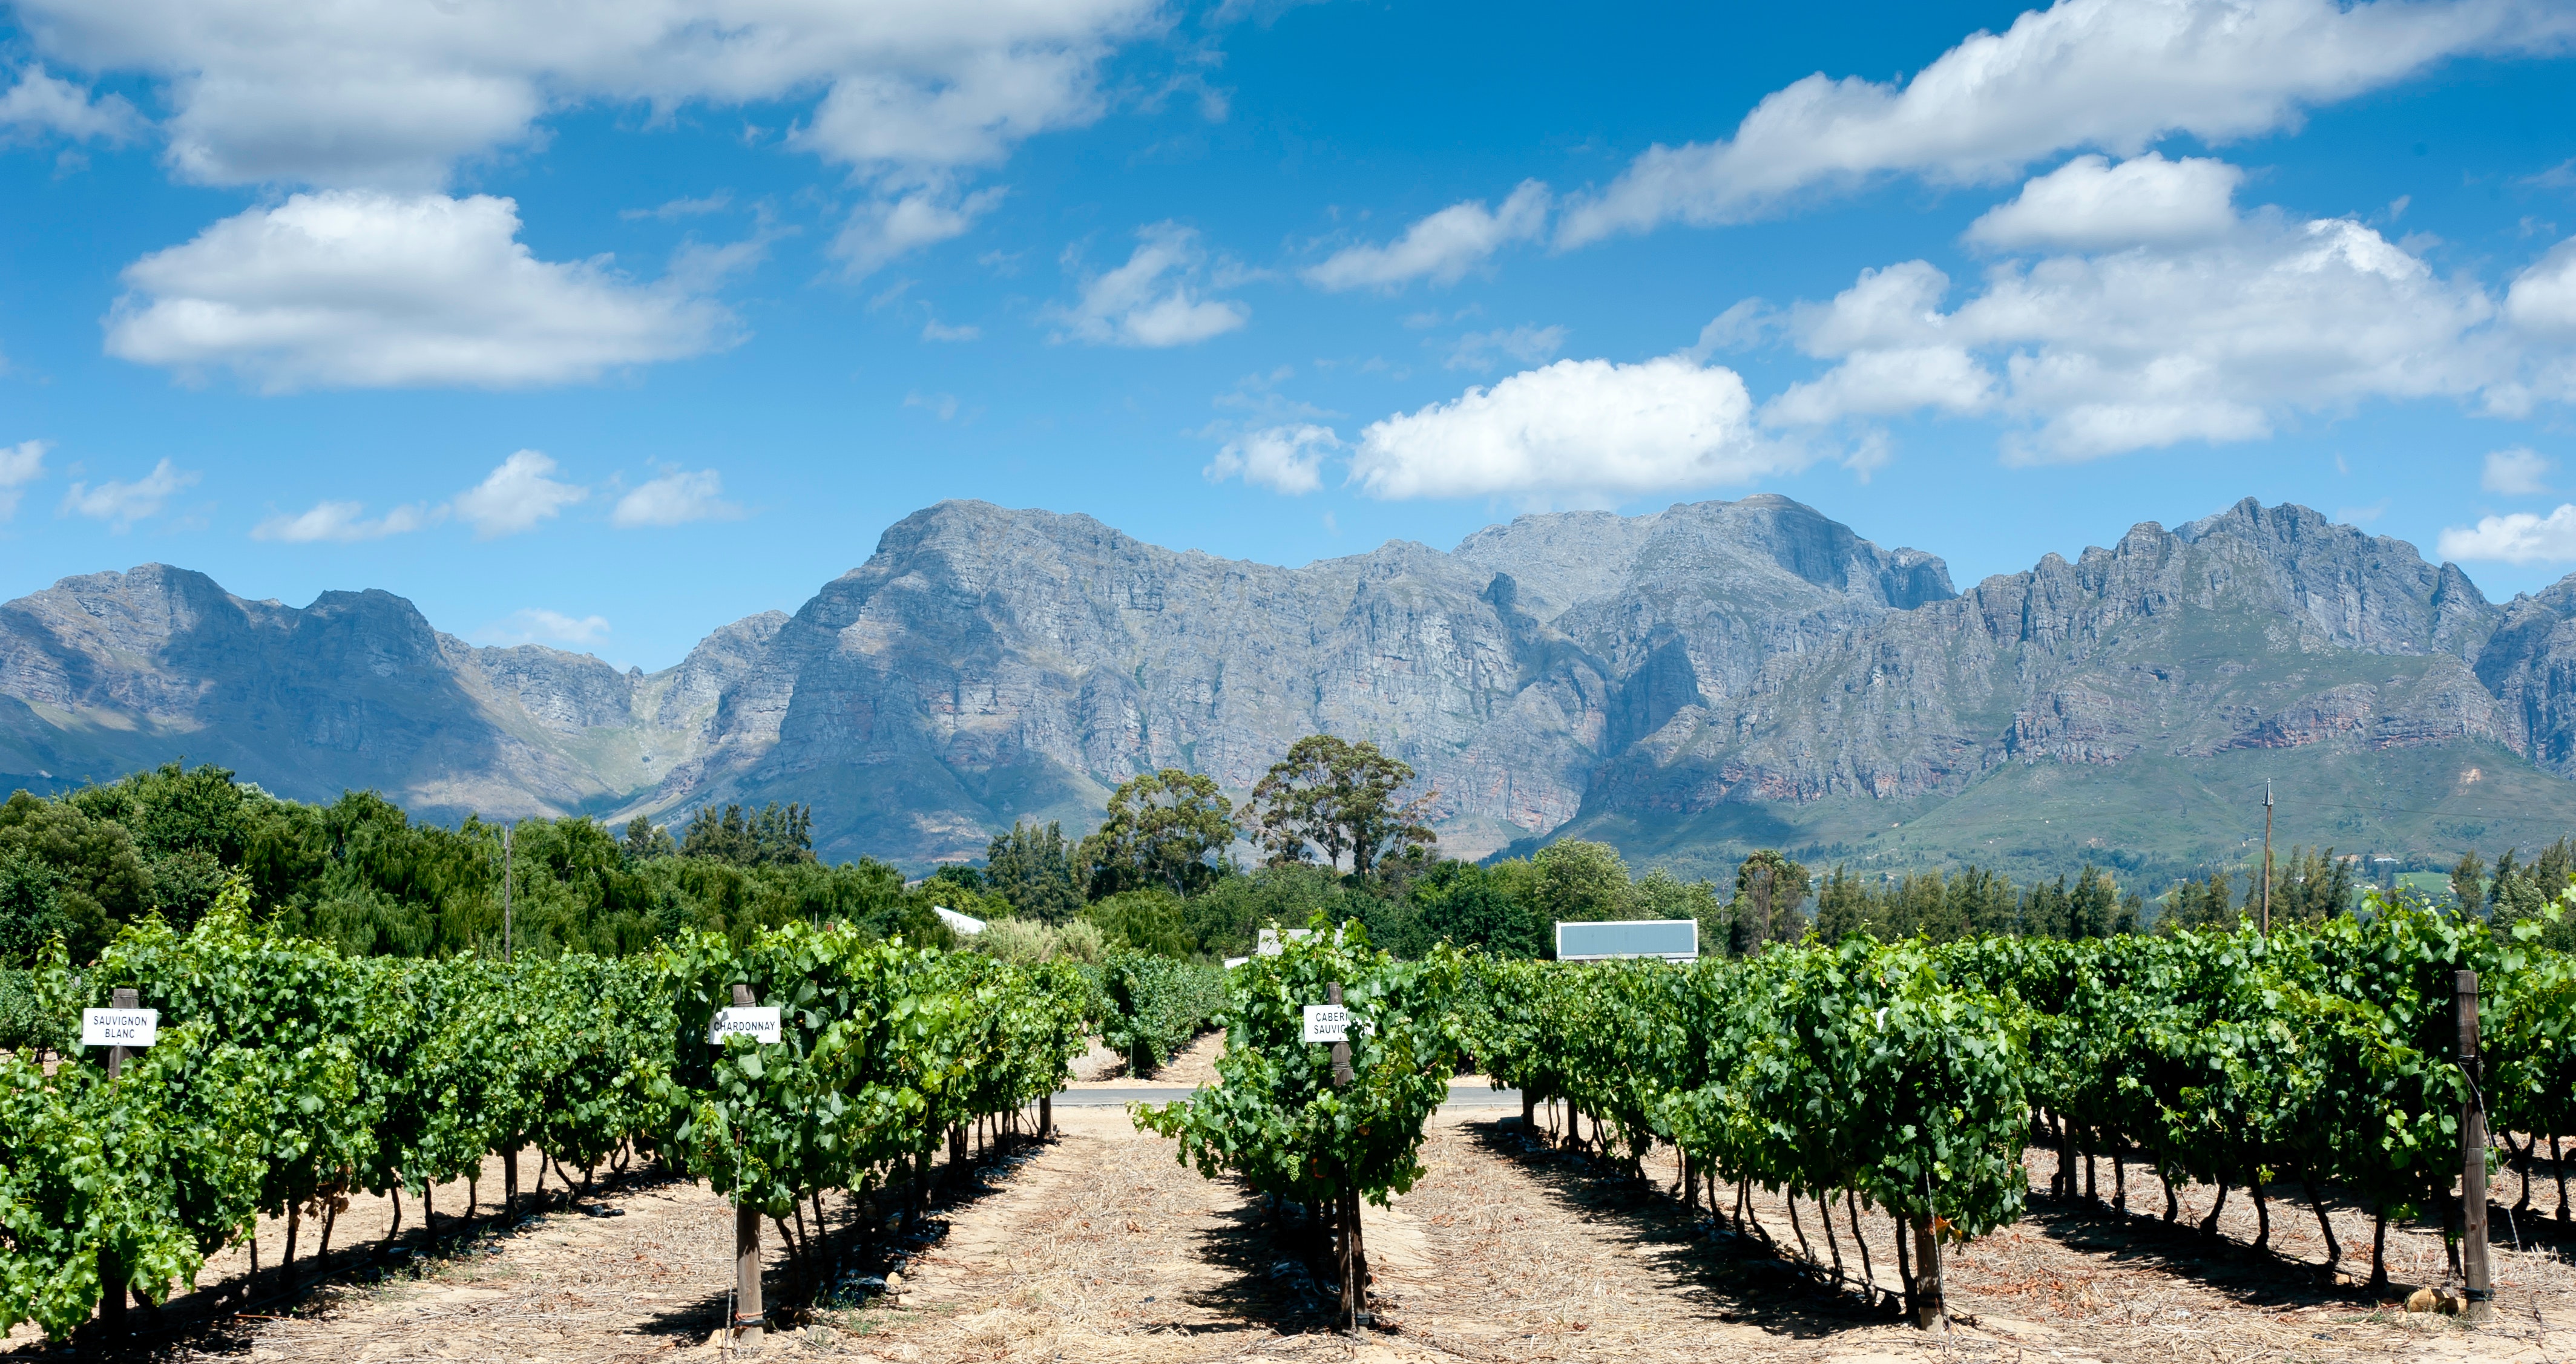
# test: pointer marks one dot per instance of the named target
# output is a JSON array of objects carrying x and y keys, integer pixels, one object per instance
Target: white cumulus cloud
[
  {"x": 2108, "y": 74},
  {"x": 20, "y": 465},
  {"x": 43, "y": 103},
  {"x": 516, "y": 496},
  {"x": 2097, "y": 355},
  {"x": 1442, "y": 247},
  {"x": 351, "y": 289},
  {"x": 1155, "y": 299},
  {"x": 2517, "y": 472},
  {"x": 392, "y": 94},
  {"x": 2520, "y": 538},
  {"x": 1288, "y": 459},
  {"x": 675, "y": 498},
  {"x": 1887, "y": 381},
  {"x": 344, "y": 523},
  {"x": 2543, "y": 297},
  {"x": 1576, "y": 429},
  {"x": 121, "y": 503},
  {"x": 2089, "y": 203}
]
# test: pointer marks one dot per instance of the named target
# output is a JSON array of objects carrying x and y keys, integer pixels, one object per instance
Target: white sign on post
[
  {"x": 1328, "y": 1023},
  {"x": 119, "y": 1027},
  {"x": 759, "y": 1024}
]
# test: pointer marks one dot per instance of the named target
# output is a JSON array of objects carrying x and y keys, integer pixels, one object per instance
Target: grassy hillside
[{"x": 2151, "y": 818}]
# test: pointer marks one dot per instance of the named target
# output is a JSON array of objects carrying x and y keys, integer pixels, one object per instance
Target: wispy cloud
[
  {"x": 40, "y": 103},
  {"x": 2515, "y": 472},
  {"x": 20, "y": 465},
  {"x": 717, "y": 202},
  {"x": 344, "y": 523},
  {"x": 1155, "y": 299},
  {"x": 121, "y": 503},
  {"x": 675, "y": 498},
  {"x": 537, "y": 625},
  {"x": 1442, "y": 247},
  {"x": 1480, "y": 352}
]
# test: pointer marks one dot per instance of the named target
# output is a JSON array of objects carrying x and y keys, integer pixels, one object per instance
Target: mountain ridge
[{"x": 1752, "y": 670}]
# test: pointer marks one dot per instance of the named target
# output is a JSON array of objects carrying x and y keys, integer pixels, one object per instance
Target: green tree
[
  {"x": 99, "y": 882},
  {"x": 1844, "y": 906},
  {"x": 1166, "y": 829},
  {"x": 646, "y": 840},
  {"x": 1148, "y": 919},
  {"x": 1226, "y": 920},
  {"x": 2556, "y": 865},
  {"x": 778, "y": 836},
  {"x": 2206, "y": 904},
  {"x": 1661, "y": 895},
  {"x": 2043, "y": 910},
  {"x": 185, "y": 883},
  {"x": 1463, "y": 903},
  {"x": 1032, "y": 866},
  {"x": 1576, "y": 881},
  {"x": 1987, "y": 904},
  {"x": 1339, "y": 800},
  {"x": 2090, "y": 908},
  {"x": 174, "y": 809},
  {"x": 2468, "y": 884},
  {"x": 2313, "y": 886},
  {"x": 30, "y": 911},
  {"x": 1768, "y": 890}
]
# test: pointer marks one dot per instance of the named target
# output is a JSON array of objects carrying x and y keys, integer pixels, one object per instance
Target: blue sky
[{"x": 600, "y": 324}]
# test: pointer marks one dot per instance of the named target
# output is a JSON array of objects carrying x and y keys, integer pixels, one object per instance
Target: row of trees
[
  {"x": 1334, "y": 828},
  {"x": 1328, "y": 802},
  {"x": 362, "y": 875},
  {"x": 1334, "y": 835}
]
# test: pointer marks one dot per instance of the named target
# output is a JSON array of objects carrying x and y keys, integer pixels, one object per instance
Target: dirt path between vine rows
[{"x": 1100, "y": 1246}]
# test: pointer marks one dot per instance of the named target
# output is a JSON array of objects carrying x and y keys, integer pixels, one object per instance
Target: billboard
[{"x": 1670, "y": 939}]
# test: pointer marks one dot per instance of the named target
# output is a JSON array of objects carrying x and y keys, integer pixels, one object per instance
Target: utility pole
[
  {"x": 2267, "y": 857},
  {"x": 507, "y": 955}
]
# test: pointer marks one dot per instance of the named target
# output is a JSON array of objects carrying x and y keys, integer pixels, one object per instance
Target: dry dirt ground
[
  {"x": 1100, "y": 1246},
  {"x": 1191, "y": 1067}
]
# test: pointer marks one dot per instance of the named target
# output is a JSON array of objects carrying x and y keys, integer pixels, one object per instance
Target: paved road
[{"x": 1119, "y": 1096}]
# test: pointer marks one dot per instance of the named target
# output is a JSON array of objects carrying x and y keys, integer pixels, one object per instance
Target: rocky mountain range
[{"x": 1687, "y": 684}]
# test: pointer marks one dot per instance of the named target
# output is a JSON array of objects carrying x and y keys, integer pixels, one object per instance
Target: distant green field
[
  {"x": 2151, "y": 819},
  {"x": 2432, "y": 885}
]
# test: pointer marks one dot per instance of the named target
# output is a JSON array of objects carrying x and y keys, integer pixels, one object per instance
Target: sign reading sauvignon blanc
[{"x": 119, "y": 1027}]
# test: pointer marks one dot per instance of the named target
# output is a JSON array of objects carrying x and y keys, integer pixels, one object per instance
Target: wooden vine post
[
  {"x": 1354, "y": 1263},
  {"x": 1929, "y": 1308},
  {"x": 111, "y": 1270},
  {"x": 747, "y": 1314},
  {"x": 2473, "y": 1157}
]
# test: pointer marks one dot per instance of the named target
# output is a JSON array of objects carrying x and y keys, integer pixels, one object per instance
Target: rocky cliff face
[
  {"x": 2254, "y": 628},
  {"x": 111, "y": 671},
  {"x": 1632, "y": 674},
  {"x": 990, "y": 664}
]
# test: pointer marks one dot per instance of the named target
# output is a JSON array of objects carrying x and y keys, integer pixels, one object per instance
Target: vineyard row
[{"x": 1910, "y": 1077}]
